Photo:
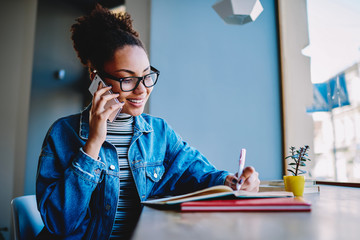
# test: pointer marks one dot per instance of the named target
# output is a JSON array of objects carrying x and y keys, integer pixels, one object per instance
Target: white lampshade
[{"x": 238, "y": 11}]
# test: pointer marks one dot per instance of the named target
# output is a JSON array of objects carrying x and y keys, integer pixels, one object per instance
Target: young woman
[{"x": 93, "y": 173}]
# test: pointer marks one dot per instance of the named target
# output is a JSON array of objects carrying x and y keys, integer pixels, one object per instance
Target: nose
[{"x": 140, "y": 88}]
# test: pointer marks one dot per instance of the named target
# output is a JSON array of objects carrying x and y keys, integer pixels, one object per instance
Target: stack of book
[
  {"x": 278, "y": 185},
  {"x": 249, "y": 205},
  {"x": 223, "y": 198}
]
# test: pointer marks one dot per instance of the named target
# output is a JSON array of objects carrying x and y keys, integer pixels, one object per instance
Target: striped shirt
[{"x": 119, "y": 133}]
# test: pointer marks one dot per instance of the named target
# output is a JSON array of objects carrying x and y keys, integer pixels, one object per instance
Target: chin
[{"x": 134, "y": 113}]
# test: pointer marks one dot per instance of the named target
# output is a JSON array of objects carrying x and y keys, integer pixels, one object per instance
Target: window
[
  {"x": 334, "y": 51},
  {"x": 320, "y": 65}
]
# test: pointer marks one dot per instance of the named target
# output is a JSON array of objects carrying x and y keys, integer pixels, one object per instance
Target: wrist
[{"x": 92, "y": 149}]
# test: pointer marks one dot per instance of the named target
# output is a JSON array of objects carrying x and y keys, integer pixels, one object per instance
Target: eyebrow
[{"x": 131, "y": 72}]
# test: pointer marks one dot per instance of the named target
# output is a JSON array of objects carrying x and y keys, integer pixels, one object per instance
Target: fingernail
[{"x": 241, "y": 181}]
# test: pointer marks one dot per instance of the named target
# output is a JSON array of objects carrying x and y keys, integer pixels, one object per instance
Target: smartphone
[{"x": 93, "y": 88}]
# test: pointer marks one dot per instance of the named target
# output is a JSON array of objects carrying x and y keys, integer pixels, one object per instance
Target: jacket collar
[{"x": 140, "y": 125}]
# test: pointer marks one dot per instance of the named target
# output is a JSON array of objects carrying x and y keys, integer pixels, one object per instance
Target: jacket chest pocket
[
  {"x": 146, "y": 176},
  {"x": 155, "y": 173}
]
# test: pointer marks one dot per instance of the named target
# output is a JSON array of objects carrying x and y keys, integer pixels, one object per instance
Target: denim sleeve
[
  {"x": 187, "y": 169},
  {"x": 64, "y": 185}
]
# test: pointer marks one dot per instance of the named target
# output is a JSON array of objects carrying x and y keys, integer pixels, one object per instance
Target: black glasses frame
[{"x": 120, "y": 80}]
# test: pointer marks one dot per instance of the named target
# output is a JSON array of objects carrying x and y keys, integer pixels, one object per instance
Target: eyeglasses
[{"x": 128, "y": 84}]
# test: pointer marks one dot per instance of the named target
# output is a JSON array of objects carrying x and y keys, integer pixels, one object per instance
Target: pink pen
[{"x": 241, "y": 166}]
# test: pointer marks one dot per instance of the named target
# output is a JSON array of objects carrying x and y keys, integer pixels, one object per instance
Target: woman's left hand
[{"x": 249, "y": 180}]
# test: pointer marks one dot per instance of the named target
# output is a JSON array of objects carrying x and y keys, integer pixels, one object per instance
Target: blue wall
[{"x": 219, "y": 84}]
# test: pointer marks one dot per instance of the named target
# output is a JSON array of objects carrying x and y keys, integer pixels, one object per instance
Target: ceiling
[{"x": 88, "y": 5}]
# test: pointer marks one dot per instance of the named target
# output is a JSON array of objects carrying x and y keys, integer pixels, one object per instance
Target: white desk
[{"x": 335, "y": 215}]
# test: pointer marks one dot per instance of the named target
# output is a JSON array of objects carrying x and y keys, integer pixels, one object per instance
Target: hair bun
[{"x": 96, "y": 36}]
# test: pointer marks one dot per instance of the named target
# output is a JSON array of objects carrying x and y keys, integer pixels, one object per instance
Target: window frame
[{"x": 296, "y": 77}]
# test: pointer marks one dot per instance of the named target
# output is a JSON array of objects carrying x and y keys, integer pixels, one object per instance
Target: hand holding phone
[{"x": 93, "y": 88}]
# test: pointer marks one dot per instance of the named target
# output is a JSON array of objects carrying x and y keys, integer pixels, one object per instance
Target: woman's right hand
[{"x": 98, "y": 120}]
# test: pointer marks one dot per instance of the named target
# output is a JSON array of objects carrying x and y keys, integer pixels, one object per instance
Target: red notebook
[{"x": 263, "y": 204}]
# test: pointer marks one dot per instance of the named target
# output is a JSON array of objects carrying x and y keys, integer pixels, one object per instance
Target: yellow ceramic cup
[{"x": 294, "y": 184}]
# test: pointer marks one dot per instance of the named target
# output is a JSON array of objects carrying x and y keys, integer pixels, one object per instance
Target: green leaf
[{"x": 291, "y": 171}]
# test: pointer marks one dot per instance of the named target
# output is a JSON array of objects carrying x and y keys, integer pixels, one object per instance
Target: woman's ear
[{"x": 92, "y": 75}]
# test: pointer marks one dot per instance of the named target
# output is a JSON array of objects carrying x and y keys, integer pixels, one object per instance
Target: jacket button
[
  {"x": 107, "y": 207},
  {"x": 155, "y": 175},
  {"x": 112, "y": 167}
]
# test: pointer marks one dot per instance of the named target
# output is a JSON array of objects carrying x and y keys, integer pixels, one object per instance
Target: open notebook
[{"x": 216, "y": 192}]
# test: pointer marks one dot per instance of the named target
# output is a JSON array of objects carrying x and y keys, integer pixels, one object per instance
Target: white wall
[
  {"x": 17, "y": 27},
  {"x": 296, "y": 81},
  {"x": 140, "y": 13}
]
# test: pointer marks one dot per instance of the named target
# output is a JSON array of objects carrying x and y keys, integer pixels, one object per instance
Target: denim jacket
[{"x": 77, "y": 195}]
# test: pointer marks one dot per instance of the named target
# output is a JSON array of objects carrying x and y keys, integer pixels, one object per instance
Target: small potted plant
[{"x": 296, "y": 183}]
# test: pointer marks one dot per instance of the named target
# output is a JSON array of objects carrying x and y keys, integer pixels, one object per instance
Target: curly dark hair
[{"x": 96, "y": 36}]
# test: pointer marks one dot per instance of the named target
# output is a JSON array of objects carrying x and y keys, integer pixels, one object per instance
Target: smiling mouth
[{"x": 136, "y": 100}]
